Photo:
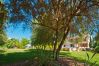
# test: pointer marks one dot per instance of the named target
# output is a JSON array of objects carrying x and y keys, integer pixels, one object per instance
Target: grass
[
  {"x": 81, "y": 56},
  {"x": 13, "y": 55},
  {"x": 16, "y": 55}
]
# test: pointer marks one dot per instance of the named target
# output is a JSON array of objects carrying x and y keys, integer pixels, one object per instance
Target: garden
[
  {"x": 49, "y": 32},
  {"x": 17, "y": 56}
]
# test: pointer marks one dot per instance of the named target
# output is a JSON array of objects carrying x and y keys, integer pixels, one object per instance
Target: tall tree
[
  {"x": 3, "y": 14},
  {"x": 61, "y": 16}
]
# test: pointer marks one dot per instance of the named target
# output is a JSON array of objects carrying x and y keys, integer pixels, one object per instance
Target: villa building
[{"x": 72, "y": 46}]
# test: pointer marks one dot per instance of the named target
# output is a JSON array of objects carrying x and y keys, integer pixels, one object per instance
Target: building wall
[{"x": 83, "y": 44}]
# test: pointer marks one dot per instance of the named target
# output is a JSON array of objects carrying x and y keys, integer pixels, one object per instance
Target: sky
[{"x": 18, "y": 32}]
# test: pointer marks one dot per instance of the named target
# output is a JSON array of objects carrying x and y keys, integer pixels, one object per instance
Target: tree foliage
[
  {"x": 96, "y": 40},
  {"x": 3, "y": 14},
  {"x": 11, "y": 43},
  {"x": 61, "y": 16},
  {"x": 24, "y": 42},
  {"x": 3, "y": 39},
  {"x": 15, "y": 43},
  {"x": 42, "y": 35}
]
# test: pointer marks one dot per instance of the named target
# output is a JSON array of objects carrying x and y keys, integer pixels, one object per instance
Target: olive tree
[{"x": 61, "y": 16}]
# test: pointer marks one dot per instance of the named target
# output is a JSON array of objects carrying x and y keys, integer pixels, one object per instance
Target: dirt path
[{"x": 69, "y": 62}]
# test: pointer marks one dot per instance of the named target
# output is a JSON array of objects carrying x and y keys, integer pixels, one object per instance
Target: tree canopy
[
  {"x": 24, "y": 42},
  {"x": 61, "y": 16},
  {"x": 3, "y": 14}
]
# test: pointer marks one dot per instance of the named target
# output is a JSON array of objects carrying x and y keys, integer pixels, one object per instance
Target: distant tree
[
  {"x": 24, "y": 42},
  {"x": 11, "y": 43}
]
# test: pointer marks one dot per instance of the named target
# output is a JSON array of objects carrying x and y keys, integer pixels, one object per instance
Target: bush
[
  {"x": 97, "y": 49},
  {"x": 9, "y": 45}
]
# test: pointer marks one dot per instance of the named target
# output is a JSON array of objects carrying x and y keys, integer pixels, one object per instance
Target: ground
[{"x": 12, "y": 56}]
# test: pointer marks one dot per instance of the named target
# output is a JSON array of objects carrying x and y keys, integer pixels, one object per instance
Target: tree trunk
[
  {"x": 55, "y": 44},
  {"x": 56, "y": 39},
  {"x": 61, "y": 43}
]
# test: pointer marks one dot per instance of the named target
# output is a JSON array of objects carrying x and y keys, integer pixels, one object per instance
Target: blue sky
[{"x": 18, "y": 32}]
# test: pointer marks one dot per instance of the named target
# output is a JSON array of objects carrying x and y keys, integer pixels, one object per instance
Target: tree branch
[{"x": 44, "y": 26}]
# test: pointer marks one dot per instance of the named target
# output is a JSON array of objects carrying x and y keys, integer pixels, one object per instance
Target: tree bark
[
  {"x": 61, "y": 43},
  {"x": 56, "y": 39},
  {"x": 55, "y": 44}
]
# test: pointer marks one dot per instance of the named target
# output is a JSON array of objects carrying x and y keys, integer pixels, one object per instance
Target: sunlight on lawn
[
  {"x": 80, "y": 56},
  {"x": 16, "y": 55}
]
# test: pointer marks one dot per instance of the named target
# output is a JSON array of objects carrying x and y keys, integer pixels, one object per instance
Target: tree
[
  {"x": 96, "y": 40},
  {"x": 3, "y": 39},
  {"x": 42, "y": 35},
  {"x": 3, "y": 14},
  {"x": 11, "y": 43},
  {"x": 61, "y": 16},
  {"x": 24, "y": 42}
]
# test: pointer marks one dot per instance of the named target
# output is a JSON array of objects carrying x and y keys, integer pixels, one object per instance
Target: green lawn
[
  {"x": 81, "y": 56},
  {"x": 17, "y": 55},
  {"x": 14, "y": 55}
]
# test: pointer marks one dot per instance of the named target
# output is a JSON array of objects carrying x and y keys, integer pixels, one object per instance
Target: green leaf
[
  {"x": 93, "y": 55},
  {"x": 87, "y": 55}
]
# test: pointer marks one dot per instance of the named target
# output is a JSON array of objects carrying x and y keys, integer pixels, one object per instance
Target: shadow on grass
[
  {"x": 2, "y": 51},
  {"x": 31, "y": 54},
  {"x": 22, "y": 56}
]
